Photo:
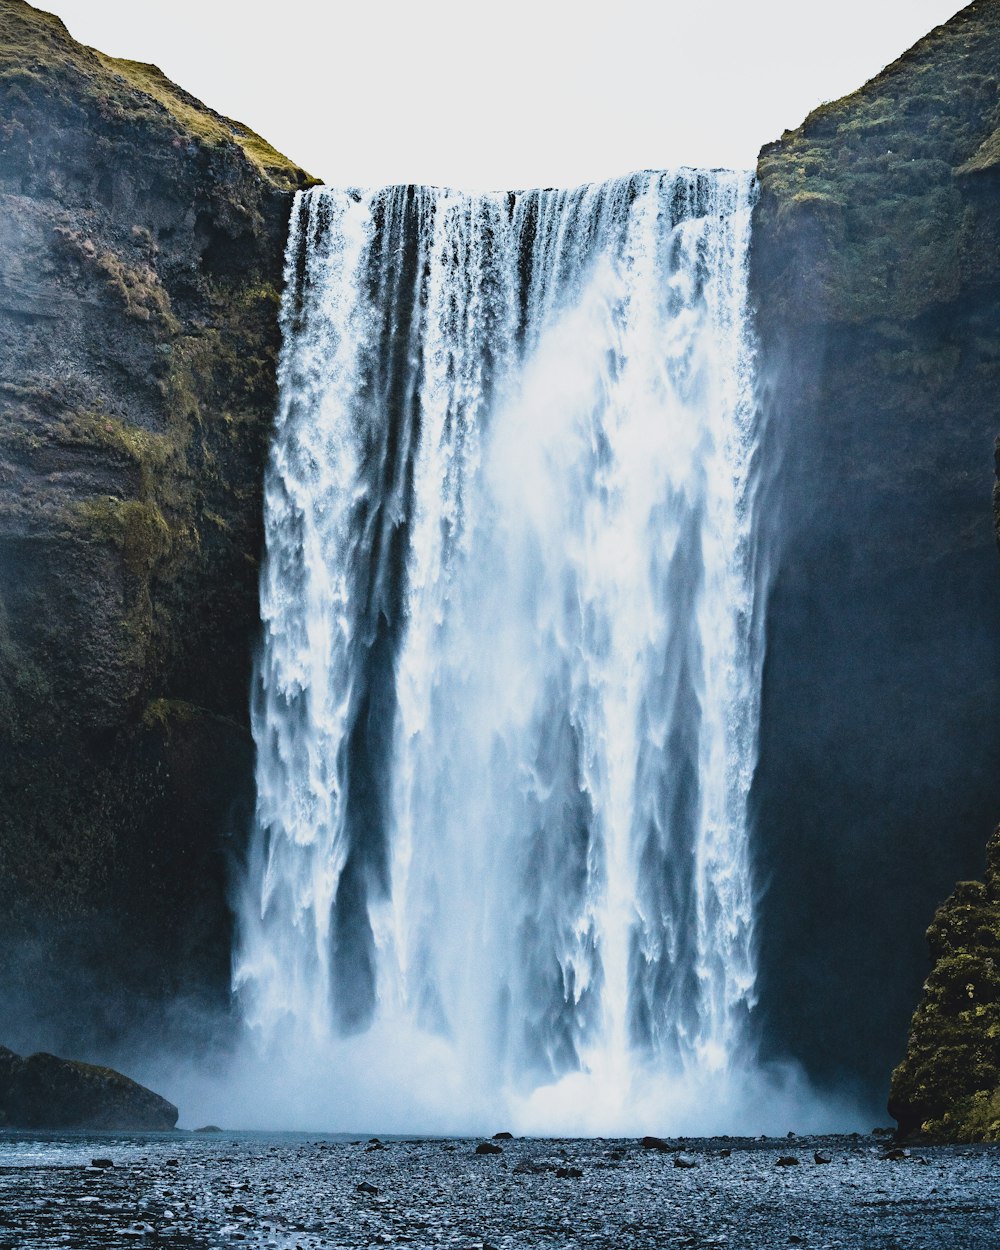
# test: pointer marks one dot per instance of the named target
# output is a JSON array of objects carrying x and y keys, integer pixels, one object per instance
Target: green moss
[
  {"x": 163, "y": 713},
  {"x": 867, "y": 193},
  {"x": 37, "y": 53},
  {"x": 948, "y": 1085},
  {"x": 136, "y": 527},
  {"x": 137, "y": 286},
  {"x": 197, "y": 122}
]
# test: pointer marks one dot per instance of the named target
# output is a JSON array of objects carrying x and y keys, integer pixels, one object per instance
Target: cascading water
[{"x": 506, "y": 708}]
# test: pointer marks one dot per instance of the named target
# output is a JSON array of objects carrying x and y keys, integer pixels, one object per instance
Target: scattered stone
[
  {"x": 897, "y": 1154},
  {"x": 531, "y": 1167},
  {"x": 172, "y": 1163},
  {"x": 365, "y": 1188},
  {"x": 725, "y": 1154},
  {"x": 685, "y": 1161},
  {"x": 795, "y": 1240},
  {"x": 504, "y": 1136},
  {"x": 489, "y": 1148},
  {"x": 569, "y": 1172},
  {"x": 102, "y": 1163},
  {"x": 788, "y": 1161},
  {"x": 822, "y": 1157},
  {"x": 656, "y": 1143}
]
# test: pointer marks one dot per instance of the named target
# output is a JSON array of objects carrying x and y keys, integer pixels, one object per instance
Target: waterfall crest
[{"x": 507, "y": 700}]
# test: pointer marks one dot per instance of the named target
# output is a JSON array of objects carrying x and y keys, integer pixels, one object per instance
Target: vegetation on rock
[{"x": 948, "y": 1085}]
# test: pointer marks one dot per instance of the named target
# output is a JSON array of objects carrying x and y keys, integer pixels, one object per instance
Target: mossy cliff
[
  {"x": 876, "y": 277},
  {"x": 141, "y": 240}
]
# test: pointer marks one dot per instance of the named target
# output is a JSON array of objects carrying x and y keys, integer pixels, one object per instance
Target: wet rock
[
  {"x": 489, "y": 1148},
  {"x": 572, "y": 1172},
  {"x": 656, "y": 1143},
  {"x": 45, "y": 1092},
  {"x": 529, "y": 1167},
  {"x": 365, "y": 1188},
  {"x": 897, "y": 1154},
  {"x": 788, "y": 1161},
  {"x": 102, "y": 1163},
  {"x": 821, "y": 1157},
  {"x": 685, "y": 1161},
  {"x": 504, "y": 1136}
]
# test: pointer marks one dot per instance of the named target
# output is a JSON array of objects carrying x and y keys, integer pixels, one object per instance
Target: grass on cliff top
[
  {"x": 205, "y": 125},
  {"x": 37, "y": 50},
  {"x": 874, "y": 180}
]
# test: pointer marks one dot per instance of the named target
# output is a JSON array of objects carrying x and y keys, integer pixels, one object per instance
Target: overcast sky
[{"x": 513, "y": 93}]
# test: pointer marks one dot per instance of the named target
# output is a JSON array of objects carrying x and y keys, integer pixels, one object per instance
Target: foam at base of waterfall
[{"x": 402, "y": 1081}]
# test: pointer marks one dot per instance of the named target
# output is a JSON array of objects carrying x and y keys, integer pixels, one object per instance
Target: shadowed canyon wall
[
  {"x": 141, "y": 239},
  {"x": 876, "y": 271}
]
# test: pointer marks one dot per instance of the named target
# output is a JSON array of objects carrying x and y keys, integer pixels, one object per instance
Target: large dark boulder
[
  {"x": 45, "y": 1092},
  {"x": 876, "y": 278},
  {"x": 141, "y": 242}
]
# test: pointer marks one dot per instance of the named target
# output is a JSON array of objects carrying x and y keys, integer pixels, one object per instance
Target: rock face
[
  {"x": 141, "y": 240},
  {"x": 948, "y": 1085},
  {"x": 44, "y": 1092},
  {"x": 876, "y": 274}
]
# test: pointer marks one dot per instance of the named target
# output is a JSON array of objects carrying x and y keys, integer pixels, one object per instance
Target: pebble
[{"x": 587, "y": 1194}]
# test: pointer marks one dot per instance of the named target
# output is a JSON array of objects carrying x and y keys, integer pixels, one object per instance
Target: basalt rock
[
  {"x": 45, "y": 1092},
  {"x": 141, "y": 240},
  {"x": 875, "y": 273}
]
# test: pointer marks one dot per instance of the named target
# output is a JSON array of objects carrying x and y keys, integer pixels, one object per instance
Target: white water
[{"x": 506, "y": 709}]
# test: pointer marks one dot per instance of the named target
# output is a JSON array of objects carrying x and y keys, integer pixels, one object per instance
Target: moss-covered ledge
[{"x": 948, "y": 1086}]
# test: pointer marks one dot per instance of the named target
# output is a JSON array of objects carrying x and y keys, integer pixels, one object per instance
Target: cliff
[
  {"x": 876, "y": 278},
  {"x": 141, "y": 240}
]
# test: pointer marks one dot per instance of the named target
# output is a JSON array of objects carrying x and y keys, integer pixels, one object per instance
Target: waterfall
[{"x": 506, "y": 705}]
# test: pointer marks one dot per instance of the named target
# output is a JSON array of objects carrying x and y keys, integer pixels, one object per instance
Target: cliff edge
[
  {"x": 876, "y": 280},
  {"x": 141, "y": 241}
]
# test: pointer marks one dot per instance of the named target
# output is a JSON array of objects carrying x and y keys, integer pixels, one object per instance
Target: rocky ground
[{"x": 284, "y": 1191}]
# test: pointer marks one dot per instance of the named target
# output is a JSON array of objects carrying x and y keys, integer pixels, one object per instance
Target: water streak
[{"x": 507, "y": 703}]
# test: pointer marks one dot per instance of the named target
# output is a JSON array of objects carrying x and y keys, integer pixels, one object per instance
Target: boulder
[{"x": 46, "y": 1092}]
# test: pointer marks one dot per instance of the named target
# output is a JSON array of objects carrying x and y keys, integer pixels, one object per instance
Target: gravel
[{"x": 291, "y": 1192}]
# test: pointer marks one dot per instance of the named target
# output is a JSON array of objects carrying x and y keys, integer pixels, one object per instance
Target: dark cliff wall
[
  {"x": 876, "y": 273},
  {"x": 141, "y": 240}
]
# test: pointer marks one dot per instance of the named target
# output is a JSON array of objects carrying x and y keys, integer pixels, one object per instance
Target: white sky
[{"x": 513, "y": 93}]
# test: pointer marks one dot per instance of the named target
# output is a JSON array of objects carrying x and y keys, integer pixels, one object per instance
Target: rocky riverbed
[{"x": 301, "y": 1193}]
